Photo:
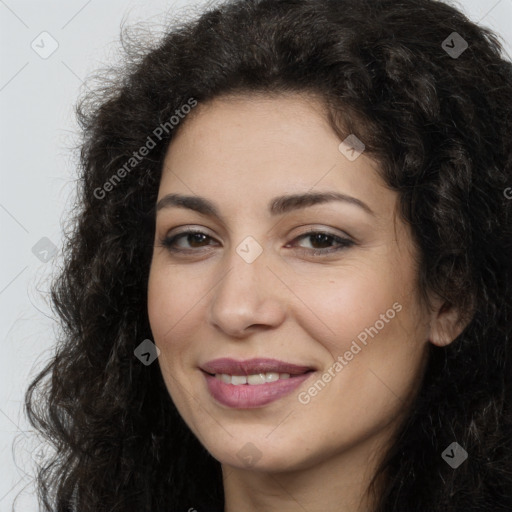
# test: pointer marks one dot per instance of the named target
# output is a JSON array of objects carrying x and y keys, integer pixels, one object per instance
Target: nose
[{"x": 248, "y": 298}]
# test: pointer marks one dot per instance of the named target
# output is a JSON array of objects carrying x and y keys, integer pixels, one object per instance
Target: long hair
[{"x": 434, "y": 108}]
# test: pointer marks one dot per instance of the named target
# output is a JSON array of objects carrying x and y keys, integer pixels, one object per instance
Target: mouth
[
  {"x": 254, "y": 367},
  {"x": 252, "y": 383}
]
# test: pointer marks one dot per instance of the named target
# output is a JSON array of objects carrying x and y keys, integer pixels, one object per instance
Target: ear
[{"x": 445, "y": 325}]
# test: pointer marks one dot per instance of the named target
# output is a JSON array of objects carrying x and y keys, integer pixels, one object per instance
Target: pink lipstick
[{"x": 254, "y": 382}]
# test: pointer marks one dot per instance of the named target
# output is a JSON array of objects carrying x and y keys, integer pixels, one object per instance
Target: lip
[
  {"x": 252, "y": 366},
  {"x": 245, "y": 396}
]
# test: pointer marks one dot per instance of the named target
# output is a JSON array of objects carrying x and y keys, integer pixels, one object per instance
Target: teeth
[
  {"x": 251, "y": 380},
  {"x": 237, "y": 379}
]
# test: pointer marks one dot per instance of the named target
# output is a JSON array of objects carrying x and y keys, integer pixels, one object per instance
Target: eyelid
[
  {"x": 319, "y": 228},
  {"x": 343, "y": 241},
  {"x": 188, "y": 229},
  {"x": 308, "y": 228}
]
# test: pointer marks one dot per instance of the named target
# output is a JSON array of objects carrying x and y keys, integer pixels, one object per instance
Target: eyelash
[{"x": 343, "y": 243}]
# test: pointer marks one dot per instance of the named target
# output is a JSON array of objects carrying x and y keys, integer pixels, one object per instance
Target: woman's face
[{"x": 255, "y": 283}]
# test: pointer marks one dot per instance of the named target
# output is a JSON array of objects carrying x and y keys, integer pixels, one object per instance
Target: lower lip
[{"x": 245, "y": 396}]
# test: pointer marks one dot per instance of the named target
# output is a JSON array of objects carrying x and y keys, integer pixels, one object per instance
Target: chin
[{"x": 255, "y": 453}]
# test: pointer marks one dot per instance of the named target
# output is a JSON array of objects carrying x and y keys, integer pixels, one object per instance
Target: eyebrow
[{"x": 277, "y": 206}]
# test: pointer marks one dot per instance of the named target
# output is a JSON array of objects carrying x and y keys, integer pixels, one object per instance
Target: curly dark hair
[{"x": 439, "y": 125}]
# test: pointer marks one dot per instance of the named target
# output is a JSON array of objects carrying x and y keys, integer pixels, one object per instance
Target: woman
[{"x": 288, "y": 284}]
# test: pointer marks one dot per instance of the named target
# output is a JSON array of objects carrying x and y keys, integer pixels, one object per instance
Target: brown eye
[
  {"x": 195, "y": 239},
  {"x": 325, "y": 240},
  {"x": 321, "y": 242}
]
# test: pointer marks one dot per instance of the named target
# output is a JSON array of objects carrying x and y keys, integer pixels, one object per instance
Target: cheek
[
  {"x": 373, "y": 322},
  {"x": 374, "y": 363},
  {"x": 171, "y": 308},
  {"x": 336, "y": 310},
  {"x": 173, "y": 297}
]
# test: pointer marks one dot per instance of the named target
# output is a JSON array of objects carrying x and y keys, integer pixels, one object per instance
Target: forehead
[
  {"x": 246, "y": 147},
  {"x": 242, "y": 124}
]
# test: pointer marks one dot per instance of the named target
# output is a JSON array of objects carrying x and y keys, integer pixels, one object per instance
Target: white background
[{"x": 38, "y": 132}]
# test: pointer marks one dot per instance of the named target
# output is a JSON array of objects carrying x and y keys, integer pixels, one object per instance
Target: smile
[
  {"x": 253, "y": 382},
  {"x": 239, "y": 394}
]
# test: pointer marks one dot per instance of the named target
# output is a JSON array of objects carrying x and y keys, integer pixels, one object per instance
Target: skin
[{"x": 240, "y": 152}]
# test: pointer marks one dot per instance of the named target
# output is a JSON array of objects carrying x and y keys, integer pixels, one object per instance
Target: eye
[
  {"x": 325, "y": 241},
  {"x": 198, "y": 239},
  {"x": 195, "y": 239}
]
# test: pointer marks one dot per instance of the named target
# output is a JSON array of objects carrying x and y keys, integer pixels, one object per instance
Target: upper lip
[{"x": 252, "y": 366}]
